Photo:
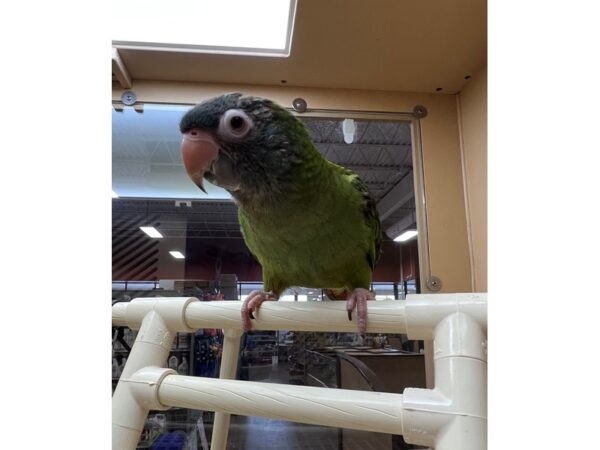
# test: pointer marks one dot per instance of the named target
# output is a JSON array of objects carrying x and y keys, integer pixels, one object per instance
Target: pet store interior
[{"x": 394, "y": 91}]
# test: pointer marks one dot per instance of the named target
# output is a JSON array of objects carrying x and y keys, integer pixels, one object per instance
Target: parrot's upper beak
[{"x": 199, "y": 150}]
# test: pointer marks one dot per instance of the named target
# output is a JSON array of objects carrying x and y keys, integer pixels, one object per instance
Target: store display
[
  {"x": 182, "y": 368},
  {"x": 171, "y": 441},
  {"x": 258, "y": 351},
  {"x": 122, "y": 365},
  {"x": 115, "y": 368},
  {"x": 207, "y": 348},
  {"x": 173, "y": 362}
]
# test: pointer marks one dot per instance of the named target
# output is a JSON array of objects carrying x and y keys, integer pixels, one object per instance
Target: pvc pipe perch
[
  {"x": 360, "y": 410},
  {"x": 229, "y": 360},
  {"x": 451, "y": 416},
  {"x": 384, "y": 316}
]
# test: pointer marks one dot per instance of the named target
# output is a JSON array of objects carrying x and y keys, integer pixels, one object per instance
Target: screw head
[
  {"x": 128, "y": 98},
  {"x": 420, "y": 111},
  {"x": 299, "y": 105},
  {"x": 434, "y": 283}
]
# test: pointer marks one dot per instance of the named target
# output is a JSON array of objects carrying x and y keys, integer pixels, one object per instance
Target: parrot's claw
[
  {"x": 251, "y": 304},
  {"x": 358, "y": 299}
]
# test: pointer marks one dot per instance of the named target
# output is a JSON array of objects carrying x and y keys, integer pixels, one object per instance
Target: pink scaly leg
[
  {"x": 251, "y": 305},
  {"x": 358, "y": 299}
]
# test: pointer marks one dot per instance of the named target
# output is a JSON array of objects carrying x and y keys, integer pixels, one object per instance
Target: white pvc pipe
[
  {"x": 151, "y": 348},
  {"x": 425, "y": 311},
  {"x": 453, "y": 415},
  {"x": 229, "y": 360},
  {"x": 423, "y": 416},
  {"x": 359, "y": 410},
  {"x": 417, "y": 315},
  {"x": 463, "y": 433},
  {"x": 383, "y": 316}
]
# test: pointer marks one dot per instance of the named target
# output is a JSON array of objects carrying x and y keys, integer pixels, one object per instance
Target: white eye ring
[{"x": 235, "y": 124}]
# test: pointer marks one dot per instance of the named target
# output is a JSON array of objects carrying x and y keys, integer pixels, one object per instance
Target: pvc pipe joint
[
  {"x": 144, "y": 386},
  {"x": 171, "y": 309},
  {"x": 150, "y": 349},
  {"x": 452, "y": 415},
  {"x": 425, "y": 311}
]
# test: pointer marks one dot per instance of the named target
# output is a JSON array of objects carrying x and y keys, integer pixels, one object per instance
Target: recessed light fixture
[
  {"x": 408, "y": 234},
  {"x": 152, "y": 232},
  {"x": 177, "y": 254},
  {"x": 253, "y": 27}
]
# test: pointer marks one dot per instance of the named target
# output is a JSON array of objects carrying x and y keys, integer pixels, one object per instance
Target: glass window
[{"x": 154, "y": 190}]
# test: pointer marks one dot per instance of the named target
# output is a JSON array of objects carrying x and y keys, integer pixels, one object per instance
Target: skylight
[{"x": 262, "y": 27}]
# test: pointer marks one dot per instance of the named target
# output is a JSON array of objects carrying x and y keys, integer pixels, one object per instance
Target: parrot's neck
[{"x": 295, "y": 190}]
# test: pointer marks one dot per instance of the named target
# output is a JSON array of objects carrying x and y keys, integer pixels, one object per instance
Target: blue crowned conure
[{"x": 309, "y": 222}]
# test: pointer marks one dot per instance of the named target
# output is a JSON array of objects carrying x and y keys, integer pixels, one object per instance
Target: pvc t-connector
[
  {"x": 452, "y": 415},
  {"x": 171, "y": 309}
]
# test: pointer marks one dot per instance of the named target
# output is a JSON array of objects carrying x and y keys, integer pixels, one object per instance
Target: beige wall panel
[
  {"x": 441, "y": 153},
  {"x": 472, "y": 106}
]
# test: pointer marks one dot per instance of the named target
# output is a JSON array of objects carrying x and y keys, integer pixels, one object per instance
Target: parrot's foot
[
  {"x": 251, "y": 305},
  {"x": 358, "y": 299}
]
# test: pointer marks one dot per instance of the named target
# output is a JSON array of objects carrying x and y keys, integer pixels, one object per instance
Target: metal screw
[
  {"x": 299, "y": 105},
  {"x": 420, "y": 111},
  {"x": 128, "y": 98},
  {"x": 434, "y": 283}
]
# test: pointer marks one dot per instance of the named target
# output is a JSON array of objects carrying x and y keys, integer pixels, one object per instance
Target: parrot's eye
[
  {"x": 235, "y": 125},
  {"x": 236, "y": 122}
]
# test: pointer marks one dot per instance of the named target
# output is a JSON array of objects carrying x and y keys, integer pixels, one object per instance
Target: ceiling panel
[{"x": 398, "y": 45}]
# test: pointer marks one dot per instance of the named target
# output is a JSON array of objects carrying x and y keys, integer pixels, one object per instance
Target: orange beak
[{"x": 199, "y": 150}]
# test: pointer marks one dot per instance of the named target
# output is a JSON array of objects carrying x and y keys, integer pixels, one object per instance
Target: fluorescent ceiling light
[
  {"x": 349, "y": 130},
  {"x": 151, "y": 231},
  {"x": 176, "y": 254},
  {"x": 224, "y": 26},
  {"x": 408, "y": 234}
]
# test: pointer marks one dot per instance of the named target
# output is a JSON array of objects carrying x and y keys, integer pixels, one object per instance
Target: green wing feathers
[
  {"x": 325, "y": 235},
  {"x": 371, "y": 216}
]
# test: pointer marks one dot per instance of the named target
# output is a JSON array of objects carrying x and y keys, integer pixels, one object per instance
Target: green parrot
[{"x": 308, "y": 221}]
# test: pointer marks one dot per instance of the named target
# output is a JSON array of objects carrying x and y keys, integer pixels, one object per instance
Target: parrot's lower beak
[{"x": 199, "y": 150}]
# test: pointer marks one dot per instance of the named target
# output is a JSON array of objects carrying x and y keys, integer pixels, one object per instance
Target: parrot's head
[{"x": 246, "y": 145}]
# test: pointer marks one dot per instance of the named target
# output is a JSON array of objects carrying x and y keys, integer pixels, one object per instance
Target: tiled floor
[{"x": 249, "y": 433}]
